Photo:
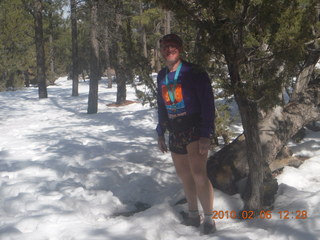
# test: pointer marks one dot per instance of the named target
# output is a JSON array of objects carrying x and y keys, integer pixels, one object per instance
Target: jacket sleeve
[
  {"x": 206, "y": 101},
  {"x": 162, "y": 111}
]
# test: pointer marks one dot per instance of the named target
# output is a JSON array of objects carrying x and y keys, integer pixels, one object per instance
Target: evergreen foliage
[
  {"x": 16, "y": 43},
  {"x": 17, "y": 46},
  {"x": 267, "y": 38}
]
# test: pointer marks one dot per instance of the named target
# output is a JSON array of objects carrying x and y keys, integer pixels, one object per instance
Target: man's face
[{"x": 170, "y": 51}]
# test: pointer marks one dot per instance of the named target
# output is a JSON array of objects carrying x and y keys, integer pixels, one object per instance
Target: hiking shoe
[
  {"x": 192, "y": 221},
  {"x": 209, "y": 228}
]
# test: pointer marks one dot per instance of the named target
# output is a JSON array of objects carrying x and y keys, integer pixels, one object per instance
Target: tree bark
[
  {"x": 41, "y": 72},
  {"x": 9, "y": 83},
  {"x": 143, "y": 33},
  {"x": 107, "y": 53},
  {"x": 26, "y": 78},
  {"x": 119, "y": 68},
  {"x": 157, "y": 55},
  {"x": 74, "y": 36},
  {"x": 306, "y": 72},
  {"x": 51, "y": 54},
  {"x": 94, "y": 60},
  {"x": 167, "y": 22},
  {"x": 107, "y": 38},
  {"x": 249, "y": 116}
]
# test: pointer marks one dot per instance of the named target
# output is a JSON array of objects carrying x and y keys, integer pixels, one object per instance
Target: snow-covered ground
[{"x": 68, "y": 175}]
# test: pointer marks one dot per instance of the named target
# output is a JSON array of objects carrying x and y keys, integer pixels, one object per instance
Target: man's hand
[
  {"x": 204, "y": 145},
  {"x": 162, "y": 144}
]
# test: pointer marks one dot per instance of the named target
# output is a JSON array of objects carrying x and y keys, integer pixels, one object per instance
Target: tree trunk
[
  {"x": 74, "y": 36},
  {"x": 119, "y": 68},
  {"x": 107, "y": 38},
  {"x": 167, "y": 22},
  {"x": 94, "y": 60},
  {"x": 128, "y": 47},
  {"x": 41, "y": 73},
  {"x": 107, "y": 53},
  {"x": 143, "y": 33},
  {"x": 9, "y": 83},
  {"x": 26, "y": 78},
  {"x": 249, "y": 117},
  {"x": 144, "y": 42},
  {"x": 121, "y": 86},
  {"x": 51, "y": 53},
  {"x": 306, "y": 72},
  {"x": 121, "y": 82},
  {"x": 157, "y": 52}
]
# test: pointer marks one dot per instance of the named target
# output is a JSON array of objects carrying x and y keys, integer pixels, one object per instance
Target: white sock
[
  {"x": 208, "y": 218},
  {"x": 193, "y": 214}
]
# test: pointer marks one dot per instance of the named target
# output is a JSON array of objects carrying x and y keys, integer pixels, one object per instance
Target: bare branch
[{"x": 305, "y": 74}]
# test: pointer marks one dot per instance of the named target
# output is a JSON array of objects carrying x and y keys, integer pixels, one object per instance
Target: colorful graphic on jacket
[{"x": 176, "y": 108}]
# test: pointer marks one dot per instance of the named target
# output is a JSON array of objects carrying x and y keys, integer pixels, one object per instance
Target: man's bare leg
[
  {"x": 198, "y": 169},
  {"x": 198, "y": 163},
  {"x": 181, "y": 163}
]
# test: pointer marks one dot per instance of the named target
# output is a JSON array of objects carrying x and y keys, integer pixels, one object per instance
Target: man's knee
[
  {"x": 182, "y": 166},
  {"x": 185, "y": 176},
  {"x": 198, "y": 163},
  {"x": 199, "y": 175}
]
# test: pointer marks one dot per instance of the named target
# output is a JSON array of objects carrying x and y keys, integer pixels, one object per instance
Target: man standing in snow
[{"x": 186, "y": 110}]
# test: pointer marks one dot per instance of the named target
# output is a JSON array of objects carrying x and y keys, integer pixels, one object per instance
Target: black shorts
[{"x": 178, "y": 141}]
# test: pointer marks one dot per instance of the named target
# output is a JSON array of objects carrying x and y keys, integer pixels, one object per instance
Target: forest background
[{"x": 127, "y": 33}]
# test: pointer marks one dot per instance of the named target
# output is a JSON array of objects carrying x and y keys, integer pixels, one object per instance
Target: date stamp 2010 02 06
[{"x": 298, "y": 214}]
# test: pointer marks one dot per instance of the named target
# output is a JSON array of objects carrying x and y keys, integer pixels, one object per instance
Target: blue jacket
[{"x": 193, "y": 96}]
